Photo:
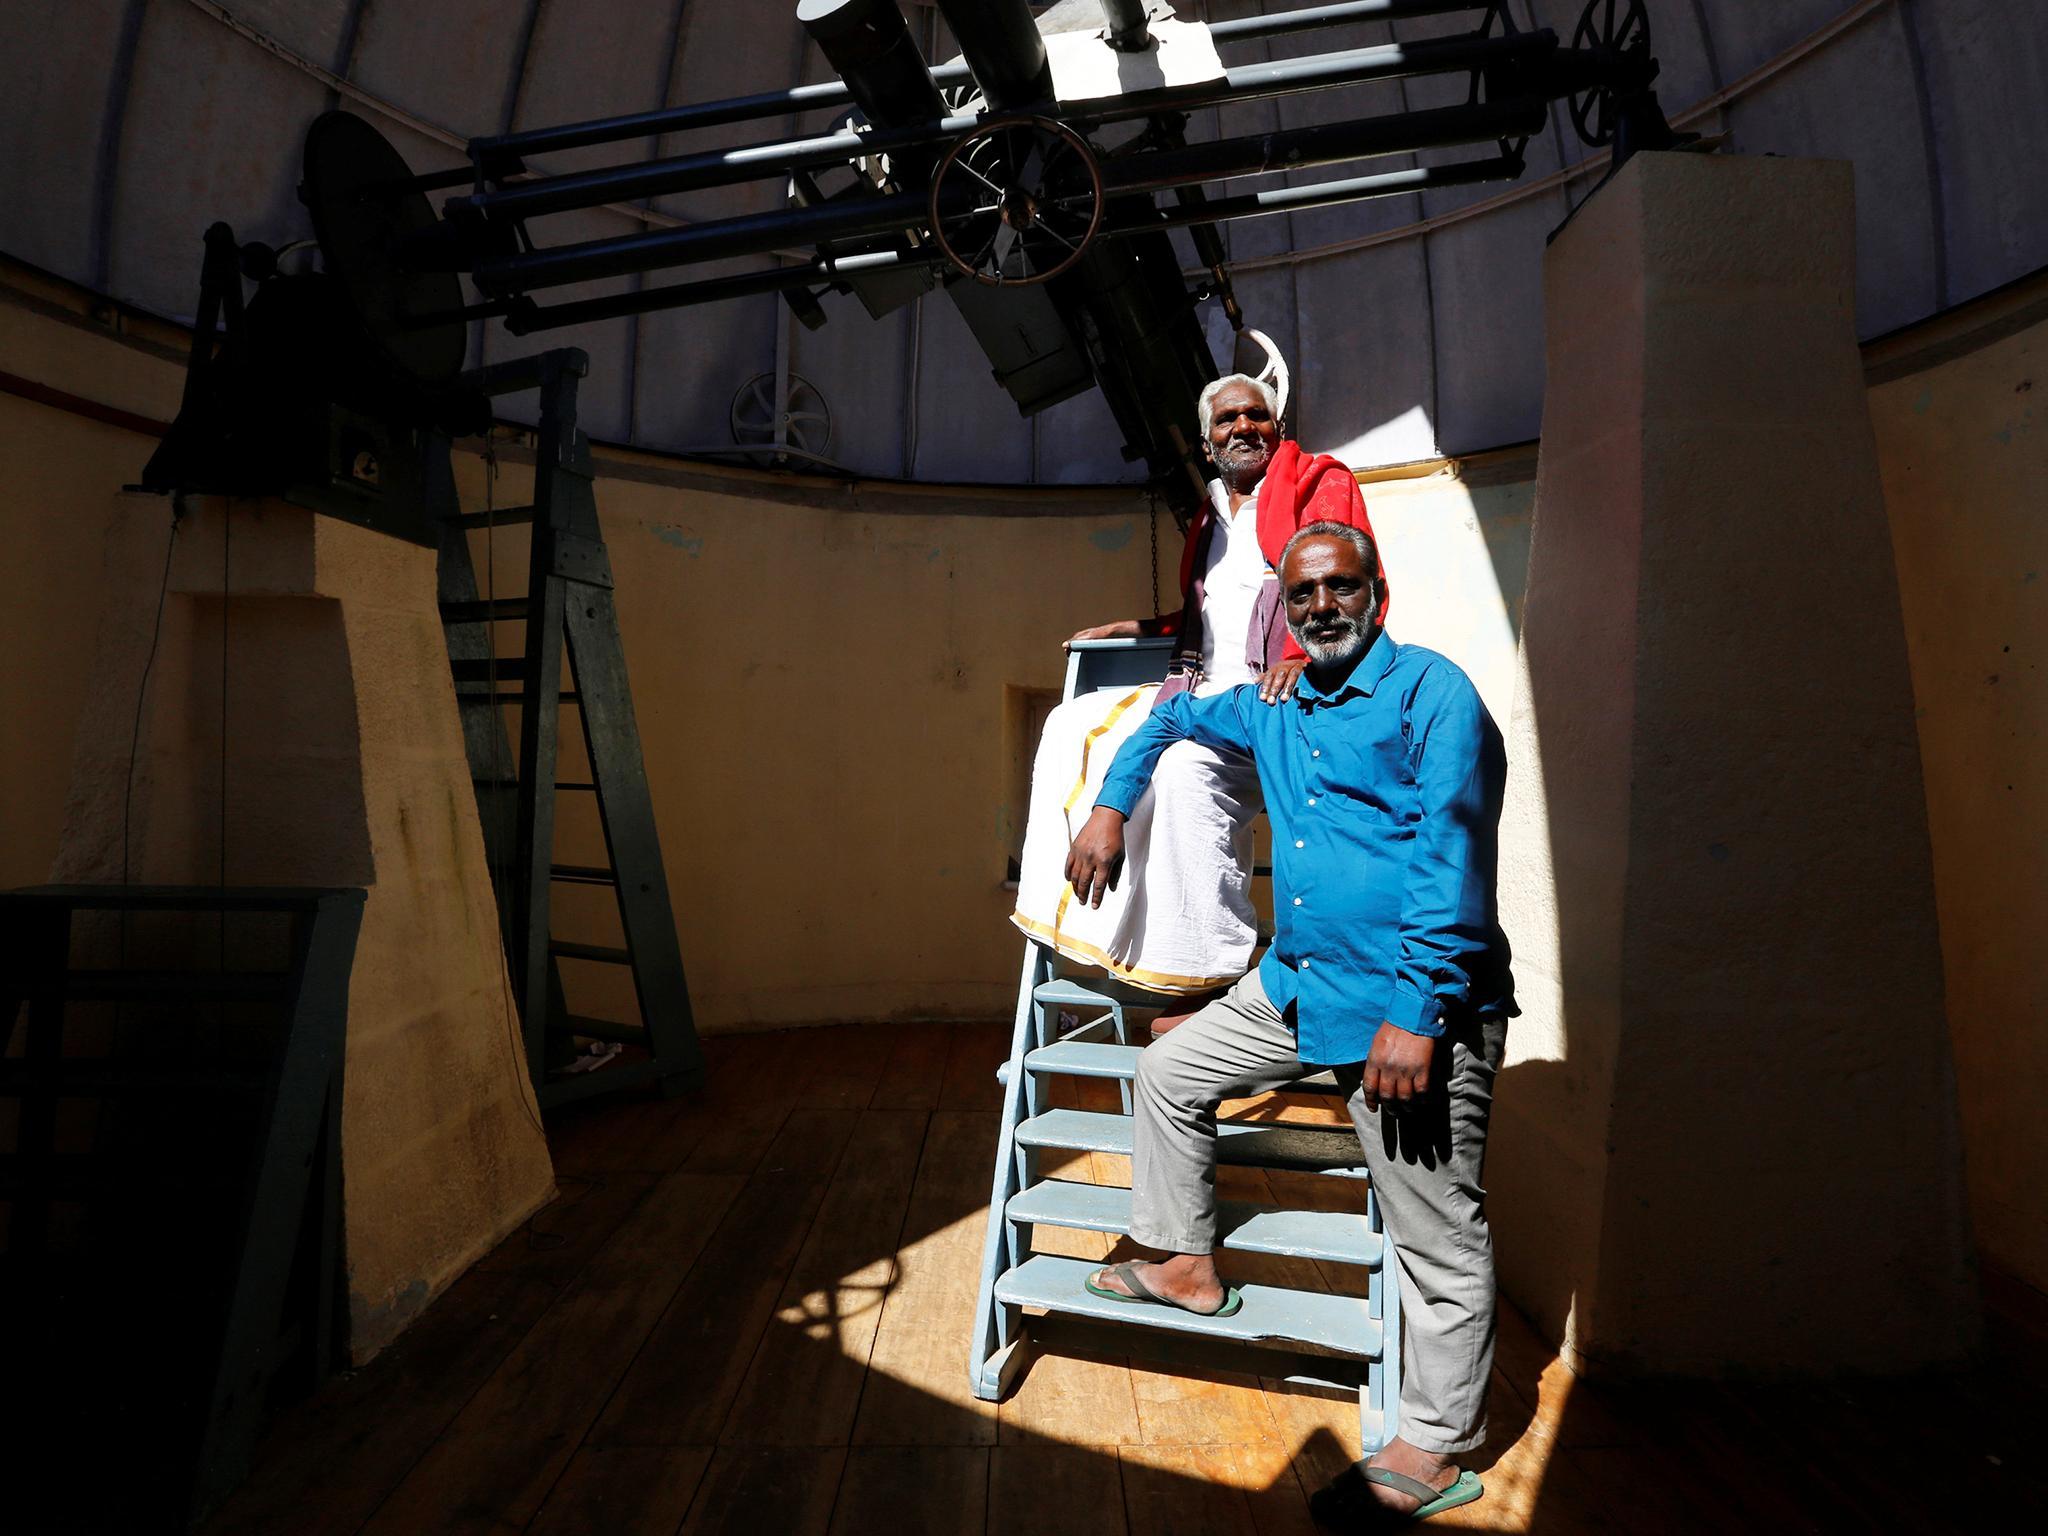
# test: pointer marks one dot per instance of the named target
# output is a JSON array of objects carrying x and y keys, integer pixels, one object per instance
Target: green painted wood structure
[{"x": 568, "y": 606}]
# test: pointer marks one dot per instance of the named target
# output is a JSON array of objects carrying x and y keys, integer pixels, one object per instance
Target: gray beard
[{"x": 1348, "y": 647}]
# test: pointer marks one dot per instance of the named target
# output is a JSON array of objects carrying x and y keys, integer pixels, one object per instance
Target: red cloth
[{"x": 1298, "y": 488}]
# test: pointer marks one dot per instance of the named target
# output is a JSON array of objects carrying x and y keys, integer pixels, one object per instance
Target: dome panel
[
  {"x": 955, "y": 395},
  {"x": 1855, "y": 100},
  {"x": 862, "y": 366},
  {"x": 1486, "y": 293},
  {"x": 690, "y": 361},
  {"x": 57, "y": 72},
  {"x": 212, "y": 130},
  {"x": 596, "y": 61},
  {"x": 320, "y": 30},
  {"x": 1987, "y": 86},
  {"x": 1368, "y": 384},
  {"x": 1942, "y": 108},
  {"x": 1747, "y": 35},
  {"x": 453, "y": 62}
]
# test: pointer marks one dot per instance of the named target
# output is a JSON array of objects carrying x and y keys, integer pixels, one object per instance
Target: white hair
[{"x": 1266, "y": 392}]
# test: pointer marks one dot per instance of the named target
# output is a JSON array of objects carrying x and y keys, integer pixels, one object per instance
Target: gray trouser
[{"x": 1424, "y": 1161}]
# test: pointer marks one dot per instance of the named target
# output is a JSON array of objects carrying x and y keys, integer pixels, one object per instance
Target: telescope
[{"x": 1034, "y": 180}]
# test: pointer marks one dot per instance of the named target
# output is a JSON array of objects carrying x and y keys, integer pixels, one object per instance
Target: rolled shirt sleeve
[{"x": 1447, "y": 906}]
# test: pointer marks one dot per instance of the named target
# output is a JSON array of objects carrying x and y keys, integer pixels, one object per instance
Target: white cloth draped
[{"x": 1180, "y": 920}]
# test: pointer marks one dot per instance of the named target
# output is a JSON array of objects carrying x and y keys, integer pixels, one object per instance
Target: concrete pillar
[
  {"x": 1726, "y": 1139},
  {"x": 345, "y": 766}
]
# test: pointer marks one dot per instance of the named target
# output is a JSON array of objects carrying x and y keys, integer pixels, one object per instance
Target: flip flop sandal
[
  {"x": 1146, "y": 1296},
  {"x": 1348, "y": 1505}
]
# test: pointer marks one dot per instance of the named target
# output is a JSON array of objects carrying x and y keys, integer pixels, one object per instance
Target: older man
[
  {"x": 1181, "y": 922},
  {"x": 1383, "y": 777}
]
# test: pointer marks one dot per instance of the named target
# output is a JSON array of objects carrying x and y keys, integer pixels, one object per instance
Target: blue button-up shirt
[{"x": 1384, "y": 795}]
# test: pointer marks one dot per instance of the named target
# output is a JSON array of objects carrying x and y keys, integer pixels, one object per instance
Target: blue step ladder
[{"x": 1032, "y": 1300}]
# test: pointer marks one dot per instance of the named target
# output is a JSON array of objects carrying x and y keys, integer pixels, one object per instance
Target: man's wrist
[{"x": 1415, "y": 1013}]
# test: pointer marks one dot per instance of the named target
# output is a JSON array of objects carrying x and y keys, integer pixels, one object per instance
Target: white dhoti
[{"x": 1180, "y": 919}]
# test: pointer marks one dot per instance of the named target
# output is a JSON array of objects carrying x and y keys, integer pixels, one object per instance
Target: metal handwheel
[
  {"x": 1016, "y": 201},
  {"x": 1611, "y": 27}
]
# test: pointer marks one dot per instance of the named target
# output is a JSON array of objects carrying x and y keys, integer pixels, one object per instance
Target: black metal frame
[
  {"x": 276, "y": 1303},
  {"x": 568, "y": 607},
  {"x": 486, "y": 230}
]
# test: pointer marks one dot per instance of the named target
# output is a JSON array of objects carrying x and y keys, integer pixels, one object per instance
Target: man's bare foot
[
  {"x": 1397, "y": 1455},
  {"x": 1190, "y": 1279}
]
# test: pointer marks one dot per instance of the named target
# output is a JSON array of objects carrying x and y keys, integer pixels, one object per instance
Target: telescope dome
[{"x": 1411, "y": 323}]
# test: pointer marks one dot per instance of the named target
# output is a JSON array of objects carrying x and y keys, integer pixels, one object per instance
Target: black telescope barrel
[
  {"x": 1001, "y": 44},
  {"x": 1247, "y": 82},
  {"x": 1326, "y": 144},
  {"x": 869, "y": 44},
  {"x": 686, "y": 173},
  {"x": 835, "y": 93},
  {"x": 711, "y": 289},
  {"x": 702, "y": 114},
  {"x": 751, "y": 235},
  {"x": 1279, "y": 23},
  {"x": 1323, "y": 194}
]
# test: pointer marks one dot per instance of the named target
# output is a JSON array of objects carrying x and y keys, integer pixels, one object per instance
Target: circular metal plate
[{"x": 365, "y": 218}]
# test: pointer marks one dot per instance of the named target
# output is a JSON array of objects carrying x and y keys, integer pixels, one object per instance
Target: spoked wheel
[
  {"x": 805, "y": 419},
  {"x": 1613, "y": 27},
  {"x": 1016, "y": 201}
]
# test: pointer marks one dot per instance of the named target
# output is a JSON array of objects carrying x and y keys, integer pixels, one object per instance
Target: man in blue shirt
[{"x": 1382, "y": 779}]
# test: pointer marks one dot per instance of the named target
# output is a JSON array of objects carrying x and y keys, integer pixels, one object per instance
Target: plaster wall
[{"x": 1962, "y": 436}]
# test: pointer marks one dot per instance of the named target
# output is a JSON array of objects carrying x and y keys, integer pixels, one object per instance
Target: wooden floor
[{"x": 749, "y": 1312}]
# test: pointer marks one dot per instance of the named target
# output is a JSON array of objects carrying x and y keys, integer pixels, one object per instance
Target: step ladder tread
[
  {"x": 601, "y": 1029},
  {"x": 1334, "y": 1152},
  {"x": 1341, "y": 1237},
  {"x": 1344, "y": 1324},
  {"x": 608, "y": 954},
  {"x": 1080, "y": 1058},
  {"x": 1071, "y": 994}
]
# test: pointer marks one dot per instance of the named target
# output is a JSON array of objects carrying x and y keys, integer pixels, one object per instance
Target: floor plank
[
  {"x": 916, "y": 1069},
  {"x": 1054, "y": 1490},
  {"x": 767, "y": 1491},
  {"x": 559, "y": 1238},
  {"x": 804, "y": 1384},
  {"x": 1201, "y": 1408},
  {"x": 1212, "y": 1490},
  {"x": 970, "y": 1081},
  {"x": 809, "y": 1275},
  {"x": 1075, "y": 1399},
  {"x": 917, "y": 1391},
  {"x": 499, "y": 1458},
  {"x": 329, "y": 1462},
  {"x": 626, "y": 1490},
  {"x": 848, "y": 1061},
  {"x": 912, "y": 1491},
  {"x": 682, "y": 1383}
]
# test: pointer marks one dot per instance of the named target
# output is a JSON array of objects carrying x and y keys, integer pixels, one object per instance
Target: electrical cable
[
  {"x": 141, "y": 693},
  {"x": 227, "y": 527}
]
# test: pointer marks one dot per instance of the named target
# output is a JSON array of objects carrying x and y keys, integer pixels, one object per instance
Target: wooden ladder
[
  {"x": 568, "y": 605},
  {"x": 1347, "y": 1342}
]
